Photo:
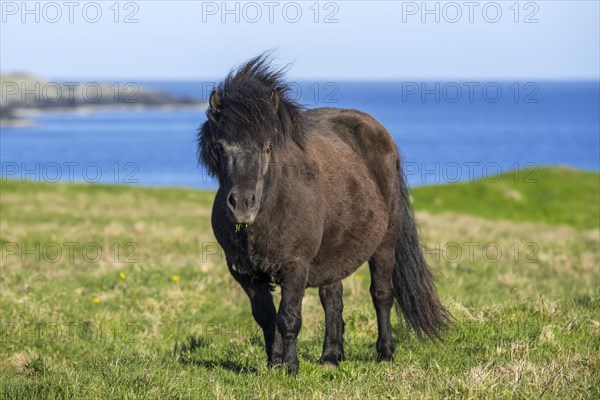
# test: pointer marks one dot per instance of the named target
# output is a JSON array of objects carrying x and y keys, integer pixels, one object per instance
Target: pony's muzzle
[{"x": 243, "y": 205}]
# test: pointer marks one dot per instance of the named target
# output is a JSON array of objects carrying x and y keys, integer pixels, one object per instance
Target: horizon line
[{"x": 315, "y": 79}]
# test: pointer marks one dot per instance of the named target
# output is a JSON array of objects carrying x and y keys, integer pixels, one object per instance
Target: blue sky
[{"x": 363, "y": 40}]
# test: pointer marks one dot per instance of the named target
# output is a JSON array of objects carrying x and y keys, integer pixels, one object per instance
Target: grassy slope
[
  {"x": 551, "y": 195},
  {"x": 526, "y": 321}
]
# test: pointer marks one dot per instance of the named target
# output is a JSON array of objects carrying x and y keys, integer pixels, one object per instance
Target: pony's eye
[{"x": 218, "y": 148}]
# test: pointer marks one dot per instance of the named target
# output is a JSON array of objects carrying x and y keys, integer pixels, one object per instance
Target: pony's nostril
[
  {"x": 232, "y": 201},
  {"x": 250, "y": 201}
]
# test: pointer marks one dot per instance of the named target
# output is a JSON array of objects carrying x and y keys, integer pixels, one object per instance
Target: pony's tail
[{"x": 412, "y": 280}]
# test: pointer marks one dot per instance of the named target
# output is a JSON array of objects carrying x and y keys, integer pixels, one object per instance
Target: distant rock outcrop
[{"x": 22, "y": 95}]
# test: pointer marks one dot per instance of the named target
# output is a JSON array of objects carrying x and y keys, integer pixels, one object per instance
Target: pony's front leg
[
  {"x": 333, "y": 346},
  {"x": 264, "y": 313},
  {"x": 289, "y": 319}
]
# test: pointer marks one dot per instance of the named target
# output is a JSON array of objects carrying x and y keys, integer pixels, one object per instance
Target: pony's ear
[
  {"x": 216, "y": 104},
  {"x": 275, "y": 100}
]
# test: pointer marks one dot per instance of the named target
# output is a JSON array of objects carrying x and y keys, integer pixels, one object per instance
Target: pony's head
[{"x": 250, "y": 119}]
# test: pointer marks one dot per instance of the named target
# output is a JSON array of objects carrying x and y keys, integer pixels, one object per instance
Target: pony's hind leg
[
  {"x": 333, "y": 346},
  {"x": 381, "y": 266}
]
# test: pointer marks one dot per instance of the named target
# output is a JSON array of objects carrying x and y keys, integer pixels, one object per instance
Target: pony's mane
[{"x": 254, "y": 106}]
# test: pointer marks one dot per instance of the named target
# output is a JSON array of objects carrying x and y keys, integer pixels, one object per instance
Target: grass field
[{"x": 120, "y": 292}]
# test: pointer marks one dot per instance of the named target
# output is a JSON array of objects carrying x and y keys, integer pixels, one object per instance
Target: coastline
[
  {"x": 24, "y": 96},
  {"x": 22, "y": 118}
]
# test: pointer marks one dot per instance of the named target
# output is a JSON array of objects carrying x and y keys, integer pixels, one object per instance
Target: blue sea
[{"x": 446, "y": 131}]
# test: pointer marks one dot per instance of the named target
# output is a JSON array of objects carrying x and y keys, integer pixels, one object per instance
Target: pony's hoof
[
  {"x": 275, "y": 360},
  {"x": 293, "y": 369},
  {"x": 385, "y": 357},
  {"x": 331, "y": 360},
  {"x": 328, "y": 364}
]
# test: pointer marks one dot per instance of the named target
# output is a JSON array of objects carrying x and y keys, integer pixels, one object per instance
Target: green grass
[
  {"x": 551, "y": 195},
  {"x": 523, "y": 290}
]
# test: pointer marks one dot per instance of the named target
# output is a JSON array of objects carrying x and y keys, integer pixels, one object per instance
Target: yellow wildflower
[
  {"x": 96, "y": 300},
  {"x": 123, "y": 275},
  {"x": 175, "y": 278}
]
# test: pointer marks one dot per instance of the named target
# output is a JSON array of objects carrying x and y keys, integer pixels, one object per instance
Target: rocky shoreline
[{"x": 22, "y": 96}]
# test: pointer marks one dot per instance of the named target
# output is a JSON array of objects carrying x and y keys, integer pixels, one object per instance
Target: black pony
[{"x": 305, "y": 198}]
